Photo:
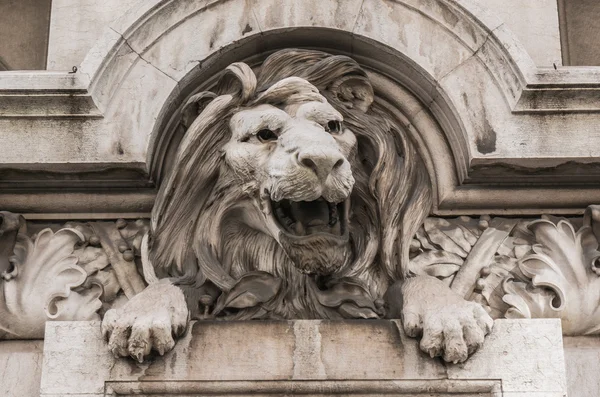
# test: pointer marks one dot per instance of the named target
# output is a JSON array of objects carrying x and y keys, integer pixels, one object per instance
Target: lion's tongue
[{"x": 310, "y": 216}]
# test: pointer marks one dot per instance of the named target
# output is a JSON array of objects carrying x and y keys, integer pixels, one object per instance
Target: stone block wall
[
  {"x": 21, "y": 361},
  {"x": 308, "y": 357}
]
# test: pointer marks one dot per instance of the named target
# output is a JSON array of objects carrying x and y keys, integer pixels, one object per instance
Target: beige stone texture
[
  {"x": 76, "y": 25},
  {"x": 580, "y": 31},
  {"x": 520, "y": 358},
  {"x": 582, "y": 355},
  {"x": 21, "y": 362},
  {"x": 20, "y": 368},
  {"x": 535, "y": 23},
  {"x": 24, "y": 34}
]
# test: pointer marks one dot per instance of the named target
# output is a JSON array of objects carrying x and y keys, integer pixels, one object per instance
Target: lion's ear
[
  {"x": 353, "y": 92},
  {"x": 194, "y": 106},
  {"x": 238, "y": 80}
]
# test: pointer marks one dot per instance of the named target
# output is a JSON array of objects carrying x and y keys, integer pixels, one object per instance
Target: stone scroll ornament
[
  {"x": 64, "y": 272},
  {"x": 294, "y": 194}
]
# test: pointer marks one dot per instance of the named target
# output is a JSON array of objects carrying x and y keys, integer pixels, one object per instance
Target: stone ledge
[
  {"x": 441, "y": 388},
  {"x": 520, "y": 358}
]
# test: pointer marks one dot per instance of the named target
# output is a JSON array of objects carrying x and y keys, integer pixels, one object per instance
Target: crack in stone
[
  {"x": 487, "y": 38},
  {"x": 260, "y": 28},
  {"x": 358, "y": 14},
  {"x": 142, "y": 58},
  {"x": 436, "y": 94}
]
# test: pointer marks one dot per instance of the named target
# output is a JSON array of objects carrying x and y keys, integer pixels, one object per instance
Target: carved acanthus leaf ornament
[
  {"x": 541, "y": 268},
  {"x": 562, "y": 279},
  {"x": 59, "y": 273},
  {"x": 45, "y": 282}
]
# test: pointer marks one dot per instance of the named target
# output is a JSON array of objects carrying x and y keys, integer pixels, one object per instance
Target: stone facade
[
  {"x": 304, "y": 163},
  {"x": 306, "y": 357}
]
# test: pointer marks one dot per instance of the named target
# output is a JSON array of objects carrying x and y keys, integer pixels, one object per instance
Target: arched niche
[
  {"x": 404, "y": 89},
  {"x": 450, "y": 71}
]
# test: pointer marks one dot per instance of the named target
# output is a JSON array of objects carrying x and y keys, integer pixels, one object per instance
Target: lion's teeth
[
  {"x": 337, "y": 229},
  {"x": 333, "y": 214},
  {"x": 299, "y": 229},
  {"x": 316, "y": 222},
  {"x": 304, "y": 218}
]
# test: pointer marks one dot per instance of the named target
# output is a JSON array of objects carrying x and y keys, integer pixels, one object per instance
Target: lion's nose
[{"x": 321, "y": 162}]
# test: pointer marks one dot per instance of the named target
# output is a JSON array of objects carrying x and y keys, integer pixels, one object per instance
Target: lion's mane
[{"x": 196, "y": 234}]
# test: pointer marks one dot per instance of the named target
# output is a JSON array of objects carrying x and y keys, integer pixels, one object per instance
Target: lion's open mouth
[{"x": 304, "y": 218}]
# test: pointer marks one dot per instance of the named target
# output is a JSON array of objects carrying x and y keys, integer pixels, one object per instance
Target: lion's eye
[
  {"x": 266, "y": 135},
  {"x": 334, "y": 127}
]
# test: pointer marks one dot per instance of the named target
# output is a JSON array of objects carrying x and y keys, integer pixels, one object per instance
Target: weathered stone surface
[
  {"x": 519, "y": 118},
  {"x": 582, "y": 355},
  {"x": 74, "y": 359},
  {"x": 479, "y": 109},
  {"x": 521, "y": 358},
  {"x": 24, "y": 31},
  {"x": 219, "y": 28},
  {"x": 411, "y": 34},
  {"x": 578, "y": 25},
  {"x": 546, "y": 359},
  {"x": 535, "y": 23},
  {"x": 76, "y": 25},
  {"x": 20, "y": 368}
]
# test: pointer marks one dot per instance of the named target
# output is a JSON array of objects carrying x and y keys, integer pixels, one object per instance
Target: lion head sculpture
[{"x": 292, "y": 174}]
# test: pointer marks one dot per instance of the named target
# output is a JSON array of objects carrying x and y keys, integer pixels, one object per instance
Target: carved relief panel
[{"x": 295, "y": 195}]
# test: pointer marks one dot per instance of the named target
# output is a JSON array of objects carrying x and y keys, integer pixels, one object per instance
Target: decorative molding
[
  {"x": 75, "y": 271},
  {"x": 443, "y": 387},
  {"x": 51, "y": 102},
  {"x": 541, "y": 268},
  {"x": 46, "y": 95},
  {"x": 287, "y": 357}
]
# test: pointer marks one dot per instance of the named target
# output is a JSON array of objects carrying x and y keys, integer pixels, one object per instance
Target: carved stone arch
[
  {"x": 452, "y": 69},
  {"x": 401, "y": 87}
]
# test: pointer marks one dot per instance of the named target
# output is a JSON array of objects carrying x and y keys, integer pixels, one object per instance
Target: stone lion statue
[{"x": 293, "y": 195}]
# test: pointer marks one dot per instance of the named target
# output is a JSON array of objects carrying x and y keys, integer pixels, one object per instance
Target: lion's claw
[
  {"x": 451, "y": 327},
  {"x": 412, "y": 324},
  {"x": 149, "y": 321}
]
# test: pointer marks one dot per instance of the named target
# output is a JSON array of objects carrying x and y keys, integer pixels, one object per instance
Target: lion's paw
[
  {"x": 149, "y": 321},
  {"x": 451, "y": 327},
  {"x": 454, "y": 333}
]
